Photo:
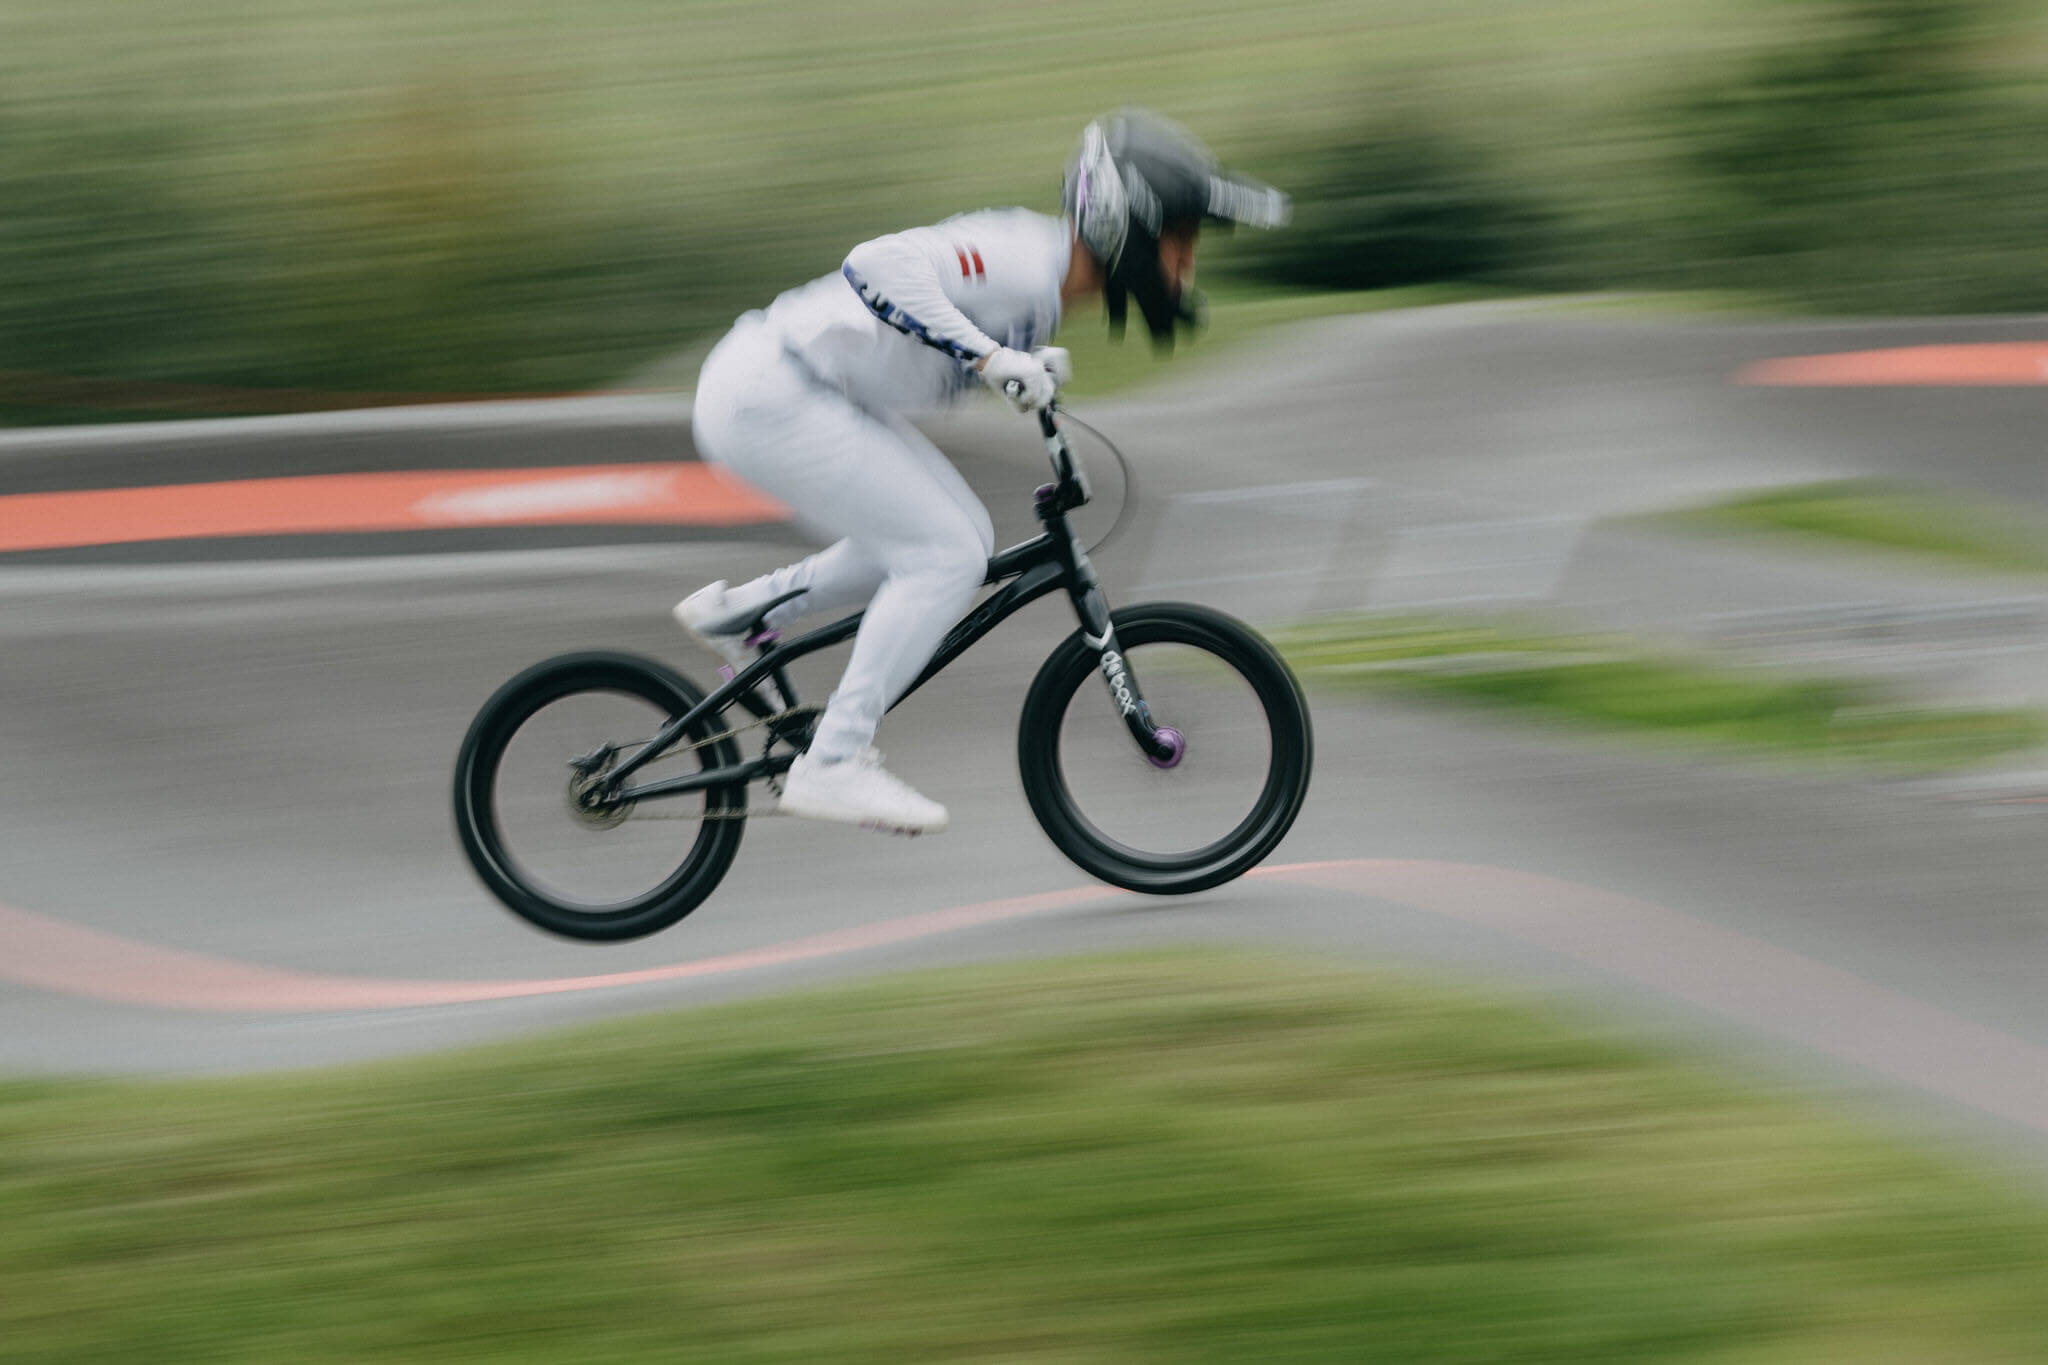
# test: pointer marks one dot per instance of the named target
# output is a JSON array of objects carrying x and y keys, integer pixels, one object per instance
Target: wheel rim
[
  {"x": 1199, "y": 805},
  {"x": 582, "y": 862}
]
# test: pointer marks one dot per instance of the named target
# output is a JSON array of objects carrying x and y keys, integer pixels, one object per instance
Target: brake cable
[{"x": 1130, "y": 499}]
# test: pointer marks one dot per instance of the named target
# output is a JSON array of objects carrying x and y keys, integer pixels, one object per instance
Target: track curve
[{"x": 216, "y": 765}]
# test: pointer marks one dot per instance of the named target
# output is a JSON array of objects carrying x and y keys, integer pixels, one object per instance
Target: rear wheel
[
  {"x": 1201, "y": 818},
  {"x": 530, "y": 813}
]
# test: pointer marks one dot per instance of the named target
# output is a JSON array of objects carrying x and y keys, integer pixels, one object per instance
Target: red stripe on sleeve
[
  {"x": 979, "y": 269},
  {"x": 963, "y": 261}
]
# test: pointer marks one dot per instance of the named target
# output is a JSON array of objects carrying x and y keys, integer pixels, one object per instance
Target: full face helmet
[{"x": 1136, "y": 175}]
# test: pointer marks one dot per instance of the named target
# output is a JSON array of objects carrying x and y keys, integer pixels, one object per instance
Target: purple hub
[{"x": 1173, "y": 740}]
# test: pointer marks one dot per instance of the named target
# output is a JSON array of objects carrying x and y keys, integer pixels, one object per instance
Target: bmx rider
[{"x": 806, "y": 401}]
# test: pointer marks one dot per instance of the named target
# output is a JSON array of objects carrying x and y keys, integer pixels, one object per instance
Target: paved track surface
[{"x": 250, "y": 763}]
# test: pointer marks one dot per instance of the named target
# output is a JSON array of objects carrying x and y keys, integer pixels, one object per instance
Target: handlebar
[{"x": 1065, "y": 467}]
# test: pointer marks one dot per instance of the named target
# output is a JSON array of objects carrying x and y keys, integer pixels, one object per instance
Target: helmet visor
[{"x": 1239, "y": 199}]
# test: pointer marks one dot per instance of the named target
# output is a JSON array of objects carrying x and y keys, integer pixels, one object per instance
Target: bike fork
[{"x": 1162, "y": 745}]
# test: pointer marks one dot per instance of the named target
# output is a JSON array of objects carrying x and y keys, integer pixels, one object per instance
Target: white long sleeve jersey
[{"x": 902, "y": 323}]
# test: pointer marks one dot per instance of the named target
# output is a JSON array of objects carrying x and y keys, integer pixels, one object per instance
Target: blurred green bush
[
  {"x": 1879, "y": 164},
  {"x": 1399, "y": 204},
  {"x": 512, "y": 196}
]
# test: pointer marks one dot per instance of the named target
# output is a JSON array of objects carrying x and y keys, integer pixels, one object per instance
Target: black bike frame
[{"x": 1055, "y": 559}]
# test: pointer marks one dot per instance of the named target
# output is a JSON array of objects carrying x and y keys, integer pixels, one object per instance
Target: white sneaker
[
  {"x": 859, "y": 791},
  {"x": 708, "y": 606}
]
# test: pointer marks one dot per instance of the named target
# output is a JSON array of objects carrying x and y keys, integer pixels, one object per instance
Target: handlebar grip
[{"x": 1014, "y": 389}]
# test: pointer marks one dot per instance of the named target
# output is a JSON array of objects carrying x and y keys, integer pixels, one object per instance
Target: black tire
[
  {"x": 653, "y": 691},
  {"x": 1269, "y": 789}
]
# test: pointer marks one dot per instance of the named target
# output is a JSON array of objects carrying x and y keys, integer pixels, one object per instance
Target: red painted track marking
[
  {"x": 1989, "y": 364},
  {"x": 54, "y": 955},
  {"x": 1792, "y": 996},
  {"x": 683, "y": 493}
]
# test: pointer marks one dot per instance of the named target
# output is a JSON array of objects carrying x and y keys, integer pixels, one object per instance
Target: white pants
[{"x": 909, "y": 538}]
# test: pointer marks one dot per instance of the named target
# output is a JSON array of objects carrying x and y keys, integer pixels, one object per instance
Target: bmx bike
[{"x": 1170, "y": 788}]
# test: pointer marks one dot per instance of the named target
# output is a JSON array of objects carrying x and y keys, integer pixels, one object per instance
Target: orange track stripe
[
  {"x": 680, "y": 494},
  {"x": 1986, "y": 364}
]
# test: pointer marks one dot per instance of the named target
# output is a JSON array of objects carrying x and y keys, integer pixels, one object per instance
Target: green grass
[
  {"x": 1183, "y": 1158},
  {"x": 1625, "y": 685},
  {"x": 1951, "y": 527},
  {"x": 1662, "y": 303}
]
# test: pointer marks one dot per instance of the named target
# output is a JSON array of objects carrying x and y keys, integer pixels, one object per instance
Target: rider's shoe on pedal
[
  {"x": 711, "y": 605},
  {"x": 859, "y": 791}
]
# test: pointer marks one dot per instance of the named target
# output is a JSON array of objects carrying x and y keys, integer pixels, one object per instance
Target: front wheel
[
  {"x": 1223, "y": 803},
  {"x": 529, "y": 807}
]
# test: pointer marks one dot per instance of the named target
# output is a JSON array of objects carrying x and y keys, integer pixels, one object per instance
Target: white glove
[
  {"x": 1057, "y": 363},
  {"x": 1003, "y": 367}
]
